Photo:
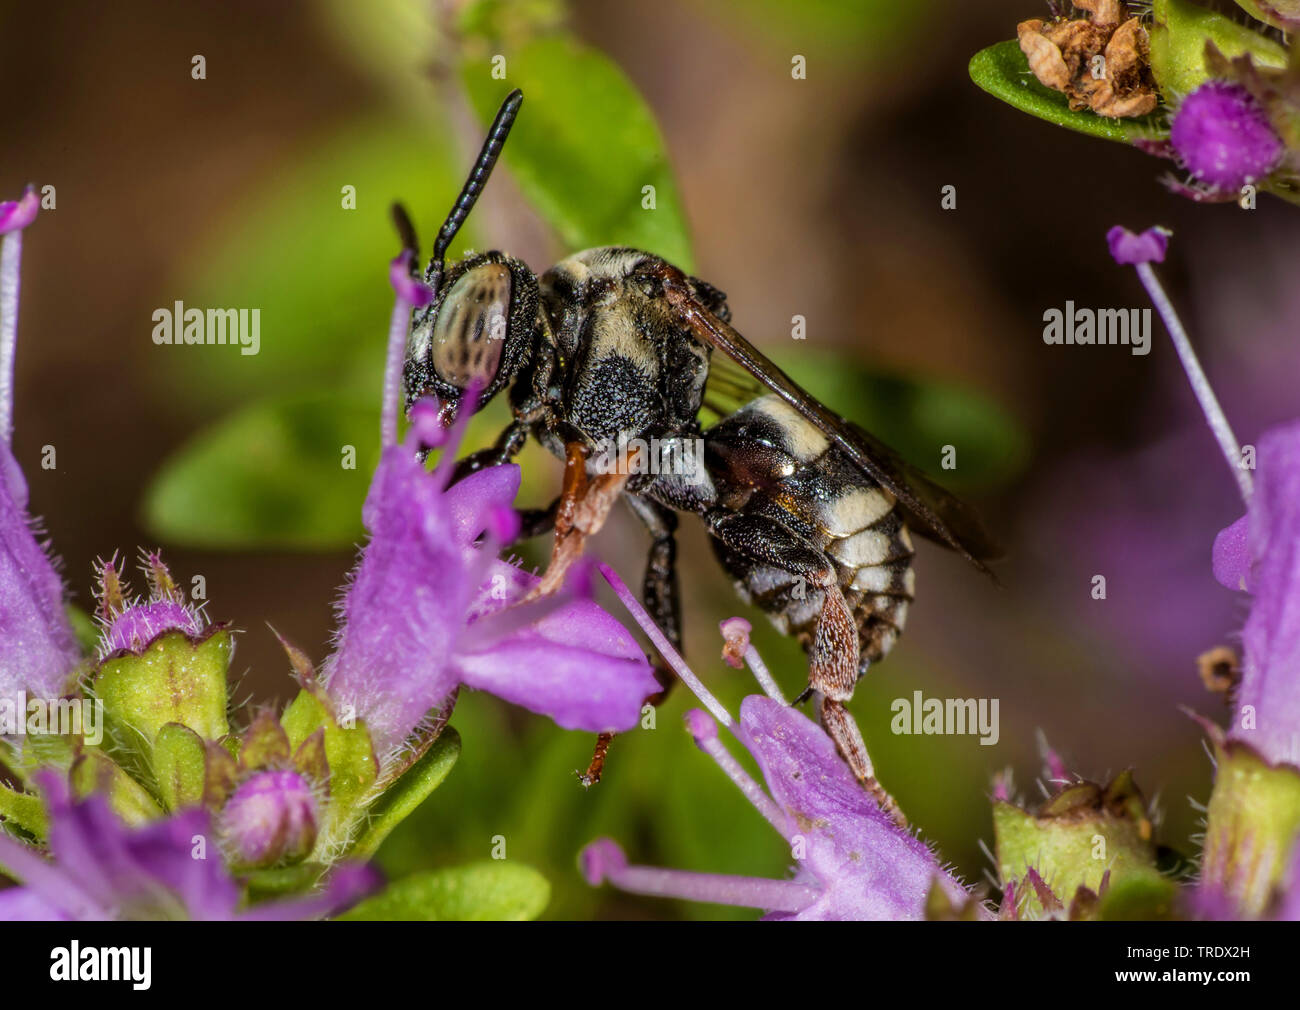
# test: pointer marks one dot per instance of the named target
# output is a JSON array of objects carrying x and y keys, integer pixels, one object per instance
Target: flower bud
[
  {"x": 270, "y": 819},
  {"x": 1223, "y": 137}
]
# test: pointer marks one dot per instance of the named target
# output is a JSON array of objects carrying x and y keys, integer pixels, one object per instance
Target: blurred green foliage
[{"x": 479, "y": 892}]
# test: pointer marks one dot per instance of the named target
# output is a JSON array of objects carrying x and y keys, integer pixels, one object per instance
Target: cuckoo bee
[{"x": 810, "y": 515}]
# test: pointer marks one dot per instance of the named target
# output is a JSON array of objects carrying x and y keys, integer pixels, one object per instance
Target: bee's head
[{"x": 478, "y": 331}]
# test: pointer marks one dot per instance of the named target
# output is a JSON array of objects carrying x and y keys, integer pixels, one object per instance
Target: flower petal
[
  {"x": 1231, "y": 557},
  {"x": 869, "y": 868},
  {"x": 472, "y": 500},
  {"x": 37, "y": 646},
  {"x": 599, "y": 685},
  {"x": 400, "y": 617},
  {"x": 1271, "y": 637}
]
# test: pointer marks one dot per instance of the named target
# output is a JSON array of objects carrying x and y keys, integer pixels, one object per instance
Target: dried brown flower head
[{"x": 1100, "y": 62}]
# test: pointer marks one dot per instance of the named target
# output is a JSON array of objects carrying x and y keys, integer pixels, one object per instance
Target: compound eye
[{"x": 471, "y": 329}]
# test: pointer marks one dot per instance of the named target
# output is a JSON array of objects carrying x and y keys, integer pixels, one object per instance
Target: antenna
[{"x": 474, "y": 185}]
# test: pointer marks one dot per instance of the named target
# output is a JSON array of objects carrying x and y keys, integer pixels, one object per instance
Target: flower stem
[{"x": 1214, "y": 415}]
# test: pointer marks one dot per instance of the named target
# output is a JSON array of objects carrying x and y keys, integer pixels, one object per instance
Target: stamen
[
  {"x": 705, "y": 732},
  {"x": 1140, "y": 251},
  {"x": 603, "y": 860},
  {"x": 411, "y": 294},
  {"x": 737, "y": 647},
  {"x": 661, "y": 643},
  {"x": 1214, "y": 415},
  {"x": 465, "y": 408},
  {"x": 764, "y": 676},
  {"x": 15, "y": 215},
  {"x": 11, "y": 254}
]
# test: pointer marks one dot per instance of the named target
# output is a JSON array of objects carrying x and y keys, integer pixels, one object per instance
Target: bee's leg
[
  {"x": 841, "y": 727},
  {"x": 535, "y": 522},
  {"x": 661, "y": 599},
  {"x": 583, "y": 507},
  {"x": 508, "y": 445},
  {"x": 660, "y": 588},
  {"x": 833, "y": 652}
]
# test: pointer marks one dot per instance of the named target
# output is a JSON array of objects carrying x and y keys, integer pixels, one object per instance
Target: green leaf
[
  {"x": 271, "y": 475},
  {"x": 401, "y": 799},
  {"x": 1003, "y": 72},
  {"x": 584, "y": 147},
  {"x": 480, "y": 892},
  {"x": 918, "y": 417},
  {"x": 1178, "y": 35},
  {"x": 24, "y": 810}
]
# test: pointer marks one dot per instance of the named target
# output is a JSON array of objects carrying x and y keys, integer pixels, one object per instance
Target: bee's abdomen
[
  {"x": 832, "y": 506},
  {"x": 873, "y": 568}
]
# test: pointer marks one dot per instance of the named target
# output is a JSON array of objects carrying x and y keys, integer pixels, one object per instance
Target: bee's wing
[{"x": 930, "y": 510}]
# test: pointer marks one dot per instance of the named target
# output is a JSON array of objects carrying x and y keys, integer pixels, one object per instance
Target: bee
[{"x": 810, "y": 515}]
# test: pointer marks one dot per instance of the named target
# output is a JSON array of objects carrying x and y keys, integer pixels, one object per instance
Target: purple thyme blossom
[
  {"x": 271, "y": 817},
  {"x": 166, "y": 870},
  {"x": 430, "y": 607},
  {"x": 1260, "y": 553},
  {"x": 37, "y": 647},
  {"x": 1223, "y": 137},
  {"x": 854, "y": 861}
]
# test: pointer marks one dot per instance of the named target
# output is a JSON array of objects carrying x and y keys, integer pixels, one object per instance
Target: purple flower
[
  {"x": 38, "y": 650},
  {"x": 1261, "y": 553},
  {"x": 430, "y": 607},
  {"x": 1128, "y": 249},
  {"x": 169, "y": 869},
  {"x": 1223, "y": 137},
  {"x": 270, "y": 818},
  {"x": 853, "y": 861}
]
